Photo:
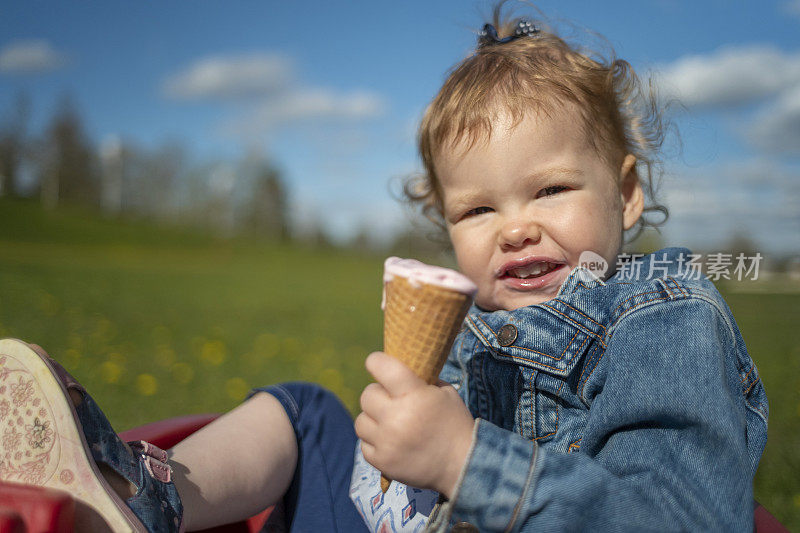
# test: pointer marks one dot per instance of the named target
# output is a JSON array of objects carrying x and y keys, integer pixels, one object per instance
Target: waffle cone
[{"x": 420, "y": 323}]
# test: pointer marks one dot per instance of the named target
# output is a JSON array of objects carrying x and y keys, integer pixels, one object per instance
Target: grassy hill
[{"x": 158, "y": 322}]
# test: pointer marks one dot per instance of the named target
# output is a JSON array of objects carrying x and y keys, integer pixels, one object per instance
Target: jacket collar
[{"x": 551, "y": 336}]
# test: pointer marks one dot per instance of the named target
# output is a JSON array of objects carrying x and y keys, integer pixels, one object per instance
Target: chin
[{"x": 527, "y": 303}]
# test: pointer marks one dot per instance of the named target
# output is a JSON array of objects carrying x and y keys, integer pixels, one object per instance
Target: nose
[{"x": 518, "y": 231}]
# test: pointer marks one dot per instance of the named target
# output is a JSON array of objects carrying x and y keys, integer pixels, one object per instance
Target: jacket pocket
[
  {"x": 554, "y": 350},
  {"x": 538, "y": 412}
]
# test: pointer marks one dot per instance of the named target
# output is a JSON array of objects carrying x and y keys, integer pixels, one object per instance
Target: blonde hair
[{"x": 539, "y": 73}]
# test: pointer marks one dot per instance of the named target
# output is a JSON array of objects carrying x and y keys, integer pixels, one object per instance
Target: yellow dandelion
[
  {"x": 72, "y": 358},
  {"x": 197, "y": 343},
  {"x": 161, "y": 335},
  {"x": 331, "y": 378},
  {"x": 322, "y": 344},
  {"x": 104, "y": 329},
  {"x": 75, "y": 341},
  {"x": 110, "y": 372},
  {"x": 213, "y": 353},
  {"x": 311, "y": 366},
  {"x": 182, "y": 373},
  {"x": 348, "y": 397},
  {"x": 237, "y": 389},
  {"x": 291, "y": 345},
  {"x": 48, "y": 304},
  {"x": 267, "y": 345},
  {"x": 146, "y": 384},
  {"x": 165, "y": 356},
  {"x": 252, "y": 361}
]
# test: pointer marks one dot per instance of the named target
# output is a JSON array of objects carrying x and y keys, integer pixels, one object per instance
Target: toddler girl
[
  {"x": 624, "y": 401},
  {"x": 572, "y": 400}
]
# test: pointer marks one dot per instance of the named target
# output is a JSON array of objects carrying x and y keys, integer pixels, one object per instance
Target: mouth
[
  {"x": 534, "y": 270},
  {"x": 529, "y": 273}
]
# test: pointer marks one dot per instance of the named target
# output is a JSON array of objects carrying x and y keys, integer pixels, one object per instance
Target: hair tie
[{"x": 488, "y": 35}]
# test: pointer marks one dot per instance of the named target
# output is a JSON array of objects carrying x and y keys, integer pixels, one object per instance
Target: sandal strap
[{"x": 154, "y": 459}]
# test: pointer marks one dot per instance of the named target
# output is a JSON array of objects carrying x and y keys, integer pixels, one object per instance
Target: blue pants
[{"x": 318, "y": 497}]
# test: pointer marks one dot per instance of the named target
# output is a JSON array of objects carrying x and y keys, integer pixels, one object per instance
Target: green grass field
[{"x": 161, "y": 322}]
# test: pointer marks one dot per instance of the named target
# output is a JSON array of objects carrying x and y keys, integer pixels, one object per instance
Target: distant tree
[
  {"x": 318, "y": 236},
  {"x": 267, "y": 210},
  {"x": 361, "y": 240},
  {"x": 741, "y": 243},
  {"x": 648, "y": 241},
  {"x": 13, "y": 146},
  {"x": 150, "y": 179},
  {"x": 68, "y": 170},
  {"x": 421, "y": 239}
]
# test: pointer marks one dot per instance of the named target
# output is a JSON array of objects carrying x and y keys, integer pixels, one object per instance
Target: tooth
[{"x": 531, "y": 270}]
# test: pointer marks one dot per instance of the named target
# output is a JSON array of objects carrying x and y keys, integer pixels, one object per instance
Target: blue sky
[{"x": 332, "y": 92}]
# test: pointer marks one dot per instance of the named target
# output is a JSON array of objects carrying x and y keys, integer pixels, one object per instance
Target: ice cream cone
[{"x": 424, "y": 307}]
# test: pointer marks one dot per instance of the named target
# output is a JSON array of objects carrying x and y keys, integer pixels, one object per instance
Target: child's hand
[{"x": 416, "y": 433}]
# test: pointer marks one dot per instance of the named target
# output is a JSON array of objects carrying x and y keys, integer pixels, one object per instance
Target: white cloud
[
  {"x": 755, "y": 197},
  {"x": 274, "y": 96},
  {"x": 792, "y": 7},
  {"x": 30, "y": 57},
  {"x": 231, "y": 78},
  {"x": 731, "y": 76},
  {"x": 777, "y": 128},
  {"x": 303, "y": 106},
  {"x": 317, "y": 104}
]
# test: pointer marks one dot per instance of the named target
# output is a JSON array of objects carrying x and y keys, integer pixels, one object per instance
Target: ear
[{"x": 631, "y": 194}]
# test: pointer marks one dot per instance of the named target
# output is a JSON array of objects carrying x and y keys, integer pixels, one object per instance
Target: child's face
[{"x": 522, "y": 207}]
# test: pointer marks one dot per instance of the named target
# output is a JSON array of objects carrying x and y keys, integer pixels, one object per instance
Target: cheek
[
  {"x": 588, "y": 225},
  {"x": 463, "y": 248},
  {"x": 471, "y": 252}
]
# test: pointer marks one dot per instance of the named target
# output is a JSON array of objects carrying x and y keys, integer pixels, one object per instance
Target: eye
[
  {"x": 476, "y": 211},
  {"x": 550, "y": 191}
]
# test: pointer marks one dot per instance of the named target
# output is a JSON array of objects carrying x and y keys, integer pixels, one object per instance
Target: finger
[
  {"x": 375, "y": 400},
  {"x": 366, "y": 428},
  {"x": 396, "y": 377},
  {"x": 368, "y": 451}
]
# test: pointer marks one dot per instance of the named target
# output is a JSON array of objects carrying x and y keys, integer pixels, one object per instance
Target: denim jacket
[{"x": 624, "y": 405}]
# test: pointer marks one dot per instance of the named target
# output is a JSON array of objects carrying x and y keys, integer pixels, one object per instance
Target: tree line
[{"x": 60, "y": 165}]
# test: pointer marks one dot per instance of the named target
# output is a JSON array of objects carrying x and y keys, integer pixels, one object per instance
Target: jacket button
[
  {"x": 507, "y": 335},
  {"x": 464, "y": 527}
]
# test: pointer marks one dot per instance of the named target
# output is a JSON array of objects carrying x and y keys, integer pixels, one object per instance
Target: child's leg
[
  {"x": 293, "y": 441},
  {"x": 296, "y": 439},
  {"x": 237, "y": 466}
]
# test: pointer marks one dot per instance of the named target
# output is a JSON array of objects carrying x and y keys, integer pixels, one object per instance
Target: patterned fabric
[{"x": 400, "y": 509}]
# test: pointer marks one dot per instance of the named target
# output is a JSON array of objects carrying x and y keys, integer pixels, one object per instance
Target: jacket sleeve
[{"x": 664, "y": 446}]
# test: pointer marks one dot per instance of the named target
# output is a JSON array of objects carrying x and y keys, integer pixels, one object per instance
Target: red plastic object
[
  {"x": 167, "y": 433},
  {"x": 39, "y": 508},
  {"x": 765, "y": 522},
  {"x": 11, "y": 521}
]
